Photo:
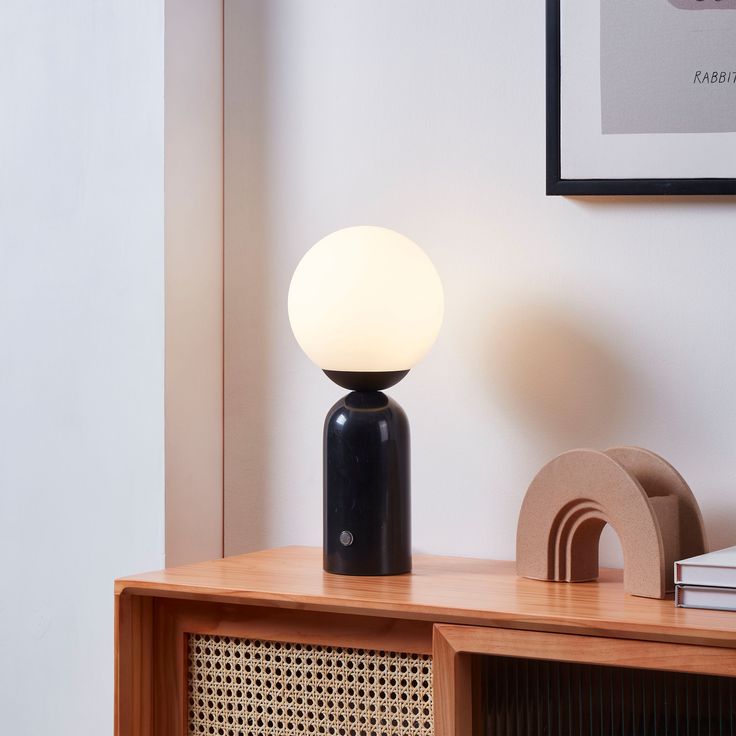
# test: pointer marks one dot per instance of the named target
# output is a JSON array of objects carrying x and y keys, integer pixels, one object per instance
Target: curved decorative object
[{"x": 644, "y": 499}]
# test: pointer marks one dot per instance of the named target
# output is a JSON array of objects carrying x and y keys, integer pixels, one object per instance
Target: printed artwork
[{"x": 668, "y": 66}]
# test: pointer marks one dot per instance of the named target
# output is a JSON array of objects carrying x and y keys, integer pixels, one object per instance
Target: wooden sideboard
[{"x": 268, "y": 644}]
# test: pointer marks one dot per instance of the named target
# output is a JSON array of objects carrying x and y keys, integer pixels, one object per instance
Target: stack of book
[{"x": 707, "y": 581}]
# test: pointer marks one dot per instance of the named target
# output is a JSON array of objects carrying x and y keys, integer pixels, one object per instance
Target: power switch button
[{"x": 346, "y": 538}]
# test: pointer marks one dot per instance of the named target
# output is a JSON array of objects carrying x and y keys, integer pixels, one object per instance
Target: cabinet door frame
[
  {"x": 151, "y": 655},
  {"x": 455, "y": 645}
]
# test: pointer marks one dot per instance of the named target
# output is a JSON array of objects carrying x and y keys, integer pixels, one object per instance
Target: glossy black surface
[
  {"x": 367, "y": 505},
  {"x": 366, "y": 380}
]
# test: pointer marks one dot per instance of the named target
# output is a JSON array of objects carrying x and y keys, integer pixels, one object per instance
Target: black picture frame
[{"x": 556, "y": 185}]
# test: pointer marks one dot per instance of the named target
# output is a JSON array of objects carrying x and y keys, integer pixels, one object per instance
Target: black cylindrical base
[{"x": 367, "y": 504}]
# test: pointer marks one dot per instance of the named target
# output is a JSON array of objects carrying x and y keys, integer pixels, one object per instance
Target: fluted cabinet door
[{"x": 501, "y": 682}]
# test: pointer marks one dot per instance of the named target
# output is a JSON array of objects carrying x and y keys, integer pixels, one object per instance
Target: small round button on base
[{"x": 346, "y": 538}]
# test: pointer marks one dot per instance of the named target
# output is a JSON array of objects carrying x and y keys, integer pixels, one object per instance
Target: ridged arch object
[{"x": 646, "y": 501}]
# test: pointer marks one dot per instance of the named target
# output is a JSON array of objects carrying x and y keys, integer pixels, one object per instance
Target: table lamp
[{"x": 366, "y": 304}]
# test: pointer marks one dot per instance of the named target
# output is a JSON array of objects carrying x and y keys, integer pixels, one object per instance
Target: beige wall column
[{"x": 194, "y": 348}]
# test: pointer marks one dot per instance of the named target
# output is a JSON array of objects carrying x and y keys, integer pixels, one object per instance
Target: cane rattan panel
[{"x": 244, "y": 687}]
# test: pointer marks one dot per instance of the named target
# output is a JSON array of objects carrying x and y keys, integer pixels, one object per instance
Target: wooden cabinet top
[{"x": 440, "y": 589}]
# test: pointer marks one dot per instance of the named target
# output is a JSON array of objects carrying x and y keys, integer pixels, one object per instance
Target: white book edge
[
  {"x": 713, "y": 569},
  {"x": 705, "y": 597}
]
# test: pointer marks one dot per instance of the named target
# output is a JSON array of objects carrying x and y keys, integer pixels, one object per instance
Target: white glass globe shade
[{"x": 365, "y": 299}]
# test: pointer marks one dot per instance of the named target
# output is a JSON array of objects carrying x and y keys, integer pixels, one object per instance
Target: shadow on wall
[
  {"x": 720, "y": 523},
  {"x": 648, "y": 203},
  {"x": 558, "y": 377},
  {"x": 246, "y": 278}
]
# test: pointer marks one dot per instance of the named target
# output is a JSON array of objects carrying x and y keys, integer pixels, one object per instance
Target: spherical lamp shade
[{"x": 365, "y": 299}]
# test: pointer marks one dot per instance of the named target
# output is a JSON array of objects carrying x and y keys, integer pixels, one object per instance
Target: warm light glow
[{"x": 365, "y": 299}]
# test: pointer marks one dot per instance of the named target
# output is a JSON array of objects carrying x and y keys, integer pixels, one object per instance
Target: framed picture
[{"x": 641, "y": 97}]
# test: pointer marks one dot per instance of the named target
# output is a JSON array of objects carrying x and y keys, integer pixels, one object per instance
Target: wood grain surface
[
  {"x": 134, "y": 664},
  {"x": 441, "y": 590},
  {"x": 596, "y": 650}
]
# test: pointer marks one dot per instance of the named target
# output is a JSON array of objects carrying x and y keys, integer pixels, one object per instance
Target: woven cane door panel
[{"x": 245, "y": 687}]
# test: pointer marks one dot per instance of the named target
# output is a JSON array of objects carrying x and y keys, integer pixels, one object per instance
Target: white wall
[
  {"x": 569, "y": 322},
  {"x": 81, "y": 346}
]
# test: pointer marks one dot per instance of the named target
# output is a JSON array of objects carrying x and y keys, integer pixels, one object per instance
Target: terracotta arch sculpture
[{"x": 644, "y": 499}]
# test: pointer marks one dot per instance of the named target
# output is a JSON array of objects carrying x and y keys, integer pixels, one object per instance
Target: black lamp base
[{"x": 367, "y": 505}]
